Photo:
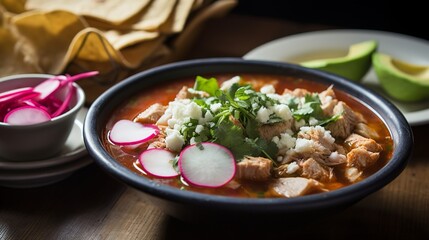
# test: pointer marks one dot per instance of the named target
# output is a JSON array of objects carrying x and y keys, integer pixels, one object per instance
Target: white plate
[
  {"x": 407, "y": 48},
  {"x": 73, "y": 149},
  {"x": 31, "y": 178}
]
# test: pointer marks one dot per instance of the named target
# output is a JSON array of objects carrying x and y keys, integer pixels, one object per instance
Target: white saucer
[
  {"x": 73, "y": 149},
  {"x": 404, "y": 47},
  {"x": 30, "y": 178},
  {"x": 44, "y": 172}
]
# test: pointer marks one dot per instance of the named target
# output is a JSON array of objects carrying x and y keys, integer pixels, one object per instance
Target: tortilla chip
[
  {"x": 11, "y": 61},
  {"x": 114, "y": 11},
  {"x": 13, "y": 6},
  {"x": 155, "y": 15},
  {"x": 176, "y": 22},
  {"x": 122, "y": 39},
  {"x": 183, "y": 42},
  {"x": 91, "y": 45},
  {"x": 44, "y": 42},
  {"x": 133, "y": 56},
  {"x": 87, "y": 38}
]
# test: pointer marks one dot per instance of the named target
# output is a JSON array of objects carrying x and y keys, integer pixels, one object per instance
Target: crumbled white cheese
[
  {"x": 285, "y": 141},
  {"x": 215, "y": 107},
  {"x": 326, "y": 133},
  {"x": 303, "y": 145},
  {"x": 174, "y": 140},
  {"x": 268, "y": 89},
  {"x": 184, "y": 108},
  {"x": 171, "y": 122},
  {"x": 283, "y": 99},
  {"x": 263, "y": 115},
  {"x": 207, "y": 118},
  {"x": 282, "y": 111},
  {"x": 193, "y": 111},
  {"x": 228, "y": 83},
  {"x": 312, "y": 121},
  {"x": 177, "y": 127},
  {"x": 199, "y": 128},
  {"x": 299, "y": 124},
  {"x": 192, "y": 141},
  {"x": 292, "y": 168},
  {"x": 336, "y": 157},
  {"x": 182, "y": 111}
]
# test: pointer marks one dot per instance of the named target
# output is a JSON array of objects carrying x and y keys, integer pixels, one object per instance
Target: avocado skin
[
  {"x": 353, "y": 66},
  {"x": 354, "y": 70}
]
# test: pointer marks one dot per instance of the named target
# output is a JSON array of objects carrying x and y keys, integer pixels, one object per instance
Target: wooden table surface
[{"x": 92, "y": 205}]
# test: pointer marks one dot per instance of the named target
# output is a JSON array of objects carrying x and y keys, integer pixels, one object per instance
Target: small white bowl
[{"x": 36, "y": 141}]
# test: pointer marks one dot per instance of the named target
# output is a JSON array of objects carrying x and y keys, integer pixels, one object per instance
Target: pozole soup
[{"x": 248, "y": 135}]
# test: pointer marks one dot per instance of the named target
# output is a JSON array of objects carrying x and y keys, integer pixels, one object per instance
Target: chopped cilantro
[
  {"x": 209, "y": 86},
  {"x": 329, "y": 120},
  {"x": 234, "y": 138},
  {"x": 310, "y": 108},
  {"x": 175, "y": 163},
  {"x": 234, "y": 123}
]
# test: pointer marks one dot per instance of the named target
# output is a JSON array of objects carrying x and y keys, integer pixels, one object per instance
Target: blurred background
[
  {"x": 407, "y": 17},
  {"x": 118, "y": 42}
]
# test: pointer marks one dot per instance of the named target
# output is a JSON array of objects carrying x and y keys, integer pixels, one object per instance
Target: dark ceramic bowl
[{"x": 197, "y": 207}]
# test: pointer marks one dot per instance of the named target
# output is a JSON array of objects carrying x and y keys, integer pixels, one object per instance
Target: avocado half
[
  {"x": 401, "y": 80},
  {"x": 353, "y": 66}
]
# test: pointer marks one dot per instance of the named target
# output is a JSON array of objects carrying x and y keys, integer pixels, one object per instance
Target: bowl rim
[
  {"x": 352, "y": 193},
  {"x": 79, "y": 103}
]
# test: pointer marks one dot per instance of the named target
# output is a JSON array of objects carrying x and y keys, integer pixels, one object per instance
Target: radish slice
[
  {"x": 33, "y": 103},
  {"x": 18, "y": 96},
  {"x": 16, "y": 91},
  {"x": 52, "y": 96},
  {"x": 207, "y": 165},
  {"x": 62, "y": 108},
  {"x": 26, "y": 115},
  {"x": 158, "y": 162},
  {"x": 79, "y": 76},
  {"x": 47, "y": 87},
  {"x": 127, "y": 132}
]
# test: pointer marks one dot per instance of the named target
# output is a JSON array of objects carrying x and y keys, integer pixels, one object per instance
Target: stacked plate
[{"x": 72, "y": 157}]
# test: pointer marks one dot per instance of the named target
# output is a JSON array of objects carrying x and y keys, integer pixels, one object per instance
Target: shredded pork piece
[
  {"x": 151, "y": 114},
  {"x": 361, "y": 158},
  {"x": 314, "y": 170},
  {"x": 268, "y": 131},
  {"x": 294, "y": 187},
  {"x": 297, "y": 92},
  {"x": 328, "y": 100},
  {"x": 346, "y": 123},
  {"x": 187, "y": 93},
  {"x": 254, "y": 168},
  {"x": 356, "y": 140},
  {"x": 365, "y": 131}
]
